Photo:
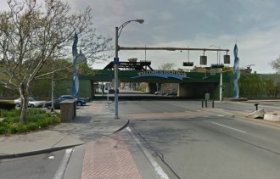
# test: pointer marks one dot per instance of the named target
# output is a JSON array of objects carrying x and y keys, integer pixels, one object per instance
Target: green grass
[{"x": 36, "y": 119}]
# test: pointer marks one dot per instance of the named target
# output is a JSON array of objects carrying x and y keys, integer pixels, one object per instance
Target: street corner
[{"x": 122, "y": 124}]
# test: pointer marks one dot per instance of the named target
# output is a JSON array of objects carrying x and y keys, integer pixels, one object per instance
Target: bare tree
[
  {"x": 276, "y": 64},
  {"x": 97, "y": 48},
  {"x": 167, "y": 66},
  {"x": 31, "y": 34}
]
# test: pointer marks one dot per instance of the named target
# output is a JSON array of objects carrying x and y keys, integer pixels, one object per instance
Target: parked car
[
  {"x": 56, "y": 104},
  {"x": 79, "y": 101},
  {"x": 17, "y": 101},
  {"x": 67, "y": 97},
  {"x": 159, "y": 93},
  {"x": 112, "y": 91},
  {"x": 31, "y": 102}
]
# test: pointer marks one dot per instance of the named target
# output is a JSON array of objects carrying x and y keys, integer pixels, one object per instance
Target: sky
[{"x": 253, "y": 24}]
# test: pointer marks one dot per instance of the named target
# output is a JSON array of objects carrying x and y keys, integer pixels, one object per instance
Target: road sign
[{"x": 116, "y": 61}]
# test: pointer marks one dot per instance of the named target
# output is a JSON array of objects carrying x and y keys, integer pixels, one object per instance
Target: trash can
[{"x": 68, "y": 110}]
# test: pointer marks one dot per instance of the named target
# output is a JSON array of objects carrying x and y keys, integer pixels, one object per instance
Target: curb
[
  {"x": 123, "y": 127},
  {"x": 38, "y": 152},
  {"x": 261, "y": 121}
]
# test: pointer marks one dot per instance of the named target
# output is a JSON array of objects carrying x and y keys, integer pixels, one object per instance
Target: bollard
[
  {"x": 256, "y": 104},
  {"x": 202, "y": 104},
  {"x": 213, "y": 104},
  {"x": 205, "y": 103}
]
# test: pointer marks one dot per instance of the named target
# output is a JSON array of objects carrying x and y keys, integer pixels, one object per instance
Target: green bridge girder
[{"x": 128, "y": 76}]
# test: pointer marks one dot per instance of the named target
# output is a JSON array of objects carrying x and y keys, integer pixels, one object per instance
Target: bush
[
  {"x": 7, "y": 104},
  {"x": 32, "y": 126},
  {"x": 36, "y": 119},
  {"x": 3, "y": 130},
  {"x": 12, "y": 128},
  {"x": 42, "y": 123}
]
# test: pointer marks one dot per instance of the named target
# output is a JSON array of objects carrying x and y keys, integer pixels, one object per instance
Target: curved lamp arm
[{"x": 120, "y": 28}]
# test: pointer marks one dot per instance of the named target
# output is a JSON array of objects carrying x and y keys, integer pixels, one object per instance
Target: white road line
[
  {"x": 158, "y": 169},
  {"x": 222, "y": 125},
  {"x": 62, "y": 167}
]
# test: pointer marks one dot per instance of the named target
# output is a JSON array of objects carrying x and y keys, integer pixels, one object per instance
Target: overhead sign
[{"x": 162, "y": 74}]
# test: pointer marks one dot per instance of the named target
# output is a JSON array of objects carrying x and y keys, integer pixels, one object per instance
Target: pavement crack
[
  {"x": 156, "y": 153},
  {"x": 58, "y": 142}
]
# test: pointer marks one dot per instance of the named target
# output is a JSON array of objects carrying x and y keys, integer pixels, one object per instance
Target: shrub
[
  {"x": 32, "y": 126},
  {"x": 20, "y": 128},
  {"x": 3, "y": 130},
  {"x": 7, "y": 104},
  {"x": 37, "y": 119},
  {"x": 43, "y": 123},
  {"x": 9, "y": 113},
  {"x": 12, "y": 128}
]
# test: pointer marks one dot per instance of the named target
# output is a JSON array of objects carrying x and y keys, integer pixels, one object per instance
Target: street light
[
  {"x": 118, "y": 31},
  {"x": 220, "y": 66}
]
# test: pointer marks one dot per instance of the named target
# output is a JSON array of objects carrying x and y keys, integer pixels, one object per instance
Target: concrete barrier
[
  {"x": 68, "y": 110},
  {"x": 259, "y": 114}
]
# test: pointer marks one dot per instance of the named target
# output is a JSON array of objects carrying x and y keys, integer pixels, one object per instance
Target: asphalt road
[
  {"x": 204, "y": 145},
  {"x": 32, "y": 167},
  {"x": 184, "y": 139}
]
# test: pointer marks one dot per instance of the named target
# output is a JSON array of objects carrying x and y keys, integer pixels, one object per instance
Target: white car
[{"x": 31, "y": 102}]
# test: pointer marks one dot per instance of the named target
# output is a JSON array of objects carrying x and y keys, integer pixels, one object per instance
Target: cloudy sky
[{"x": 253, "y": 24}]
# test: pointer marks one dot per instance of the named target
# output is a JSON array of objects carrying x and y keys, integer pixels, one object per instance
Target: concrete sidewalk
[{"x": 92, "y": 122}]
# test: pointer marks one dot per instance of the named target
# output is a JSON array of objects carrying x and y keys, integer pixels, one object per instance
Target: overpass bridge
[{"x": 191, "y": 85}]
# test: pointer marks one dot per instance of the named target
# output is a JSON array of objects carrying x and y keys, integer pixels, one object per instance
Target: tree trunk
[{"x": 23, "y": 90}]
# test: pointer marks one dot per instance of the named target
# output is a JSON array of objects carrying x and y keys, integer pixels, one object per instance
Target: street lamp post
[
  {"x": 221, "y": 74},
  {"x": 118, "y": 31},
  {"x": 221, "y": 85}
]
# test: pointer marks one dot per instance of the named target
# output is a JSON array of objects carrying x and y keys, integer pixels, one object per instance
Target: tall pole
[
  {"x": 221, "y": 85},
  {"x": 116, "y": 72},
  {"x": 118, "y": 31},
  {"x": 53, "y": 83}
]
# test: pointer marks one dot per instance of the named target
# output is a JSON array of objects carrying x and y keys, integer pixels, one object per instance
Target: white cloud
[{"x": 254, "y": 24}]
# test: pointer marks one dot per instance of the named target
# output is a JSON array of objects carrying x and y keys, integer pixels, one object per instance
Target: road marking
[
  {"x": 51, "y": 157},
  {"x": 62, "y": 167},
  {"x": 156, "y": 166},
  {"x": 222, "y": 125}
]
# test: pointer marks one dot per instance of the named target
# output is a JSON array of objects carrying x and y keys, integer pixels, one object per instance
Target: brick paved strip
[{"x": 108, "y": 158}]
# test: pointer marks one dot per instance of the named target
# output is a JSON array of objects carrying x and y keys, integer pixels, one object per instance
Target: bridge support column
[
  {"x": 184, "y": 91},
  {"x": 151, "y": 88},
  {"x": 92, "y": 89}
]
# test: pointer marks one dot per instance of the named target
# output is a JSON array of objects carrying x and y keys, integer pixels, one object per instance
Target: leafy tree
[{"x": 31, "y": 35}]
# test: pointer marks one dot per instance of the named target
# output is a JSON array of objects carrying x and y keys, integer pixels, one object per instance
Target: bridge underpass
[{"x": 190, "y": 85}]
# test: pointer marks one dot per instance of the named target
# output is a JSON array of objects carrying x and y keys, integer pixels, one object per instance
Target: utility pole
[{"x": 53, "y": 84}]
